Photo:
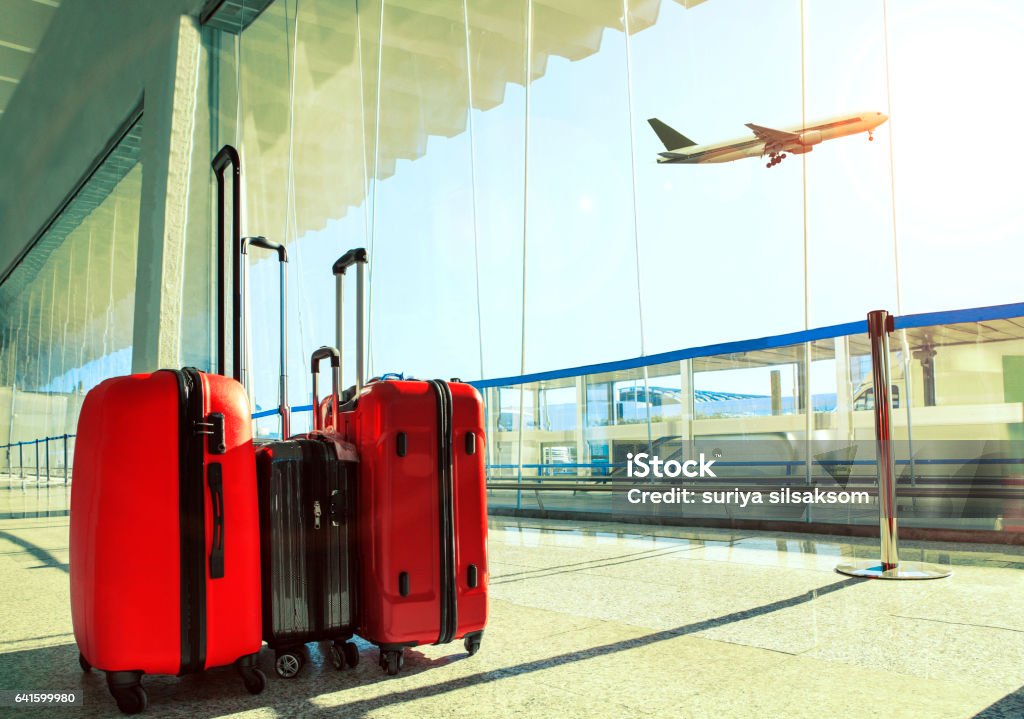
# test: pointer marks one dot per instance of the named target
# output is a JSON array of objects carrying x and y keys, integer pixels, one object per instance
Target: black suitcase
[
  {"x": 306, "y": 491},
  {"x": 306, "y": 525},
  {"x": 307, "y": 537}
]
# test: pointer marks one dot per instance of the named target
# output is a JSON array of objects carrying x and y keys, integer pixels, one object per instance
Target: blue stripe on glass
[{"x": 927, "y": 319}]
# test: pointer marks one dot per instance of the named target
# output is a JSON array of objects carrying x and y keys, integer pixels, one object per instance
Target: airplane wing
[{"x": 774, "y": 140}]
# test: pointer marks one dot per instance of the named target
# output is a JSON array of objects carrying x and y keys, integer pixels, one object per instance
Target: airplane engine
[{"x": 807, "y": 139}]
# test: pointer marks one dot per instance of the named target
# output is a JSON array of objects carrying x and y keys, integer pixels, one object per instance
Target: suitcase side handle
[
  {"x": 358, "y": 258},
  {"x": 216, "y": 482},
  {"x": 314, "y": 367},
  {"x": 282, "y": 257},
  {"x": 226, "y": 157}
]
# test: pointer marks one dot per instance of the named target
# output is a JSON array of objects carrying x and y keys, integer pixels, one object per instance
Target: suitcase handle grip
[
  {"x": 228, "y": 156},
  {"x": 348, "y": 259},
  {"x": 215, "y": 480},
  {"x": 356, "y": 257},
  {"x": 282, "y": 253},
  {"x": 314, "y": 368},
  {"x": 322, "y": 354},
  {"x": 282, "y": 257}
]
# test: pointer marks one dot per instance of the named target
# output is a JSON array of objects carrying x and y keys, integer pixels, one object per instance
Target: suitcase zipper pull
[{"x": 316, "y": 514}]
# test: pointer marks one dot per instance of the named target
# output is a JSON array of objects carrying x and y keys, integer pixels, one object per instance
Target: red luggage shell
[
  {"x": 126, "y": 528},
  {"x": 399, "y": 516}
]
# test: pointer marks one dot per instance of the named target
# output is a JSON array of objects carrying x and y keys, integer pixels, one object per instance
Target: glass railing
[
  {"x": 786, "y": 413},
  {"x": 41, "y": 460},
  {"x": 789, "y": 413}
]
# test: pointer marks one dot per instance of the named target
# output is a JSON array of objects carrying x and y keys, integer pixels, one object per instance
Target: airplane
[{"x": 766, "y": 141}]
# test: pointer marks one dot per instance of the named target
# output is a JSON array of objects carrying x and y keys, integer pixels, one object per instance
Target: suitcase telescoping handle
[
  {"x": 355, "y": 257},
  {"x": 314, "y": 367},
  {"x": 228, "y": 157},
  {"x": 282, "y": 256}
]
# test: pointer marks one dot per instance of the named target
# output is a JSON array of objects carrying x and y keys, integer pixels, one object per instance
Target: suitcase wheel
[
  {"x": 255, "y": 680},
  {"x": 84, "y": 663},
  {"x": 126, "y": 688},
  {"x": 344, "y": 654},
  {"x": 351, "y": 654},
  {"x": 131, "y": 701},
  {"x": 392, "y": 660},
  {"x": 337, "y": 658},
  {"x": 472, "y": 643},
  {"x": 288, "y": 664}
]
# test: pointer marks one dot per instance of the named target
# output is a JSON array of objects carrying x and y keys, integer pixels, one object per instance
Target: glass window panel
[
  {"x": 70, "y": 304},
  {"x": 850, "y": 251},
  {"x": 722, "y": 235},
  {"x": 959, "y": 215},
  {"x": 581, "y": 293}
]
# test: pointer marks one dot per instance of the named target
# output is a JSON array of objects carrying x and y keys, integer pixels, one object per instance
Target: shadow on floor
[
  {"x": 219, "y": 691},
  {"x": 540, "y": 572},
  {"x": 1009, "y": 707},
  {"x": 36, "y": 551}
]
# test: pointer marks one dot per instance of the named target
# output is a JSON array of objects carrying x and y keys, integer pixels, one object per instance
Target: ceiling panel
[{"x": 22, "y": 26}]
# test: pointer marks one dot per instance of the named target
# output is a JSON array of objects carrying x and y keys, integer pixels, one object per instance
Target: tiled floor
[{"x": 603, "y": 620}]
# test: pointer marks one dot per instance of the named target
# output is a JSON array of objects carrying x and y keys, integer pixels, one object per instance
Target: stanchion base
[{"x": 872, "y": 569}]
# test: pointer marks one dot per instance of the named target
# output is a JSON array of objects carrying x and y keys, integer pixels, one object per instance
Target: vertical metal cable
[
  {"x": 244, "y": 335},
  {"x": 908, "y": 384},
  {"x": 185, "y": 212},
  {"x": 291, "y": 211},
  {"x": 85, "y": 306},
  {"x": 30, "y": 384},
  {"x": 11, "y": 351},
  {"x": 239, "y": 140},
  {"x": 636, "y": 226},
  {"x": 806, "y": 388},
  {"x": 632, "y": 160},
  {"x": 49, "y": 341},
  {"x": 376, "y": 179},
  {"x": 803, "y": 159},
  {"x": 472, "y": 177},
  {"x": 69, "y": 386},
  {"x": 908, "y": 398},
  {"x": 362, "y": 138},
  {"x": 526, "y": 196},
  {"x": 51, "y": 389},
  {"x": 110, "y": 289},
  {"x": 892, "y": 165}
]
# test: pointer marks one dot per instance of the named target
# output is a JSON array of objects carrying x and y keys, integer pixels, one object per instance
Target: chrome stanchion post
[
  {"x": 880, "y": 324},
  {"x": 65, "y": 458},
  {"x": 37, "y": 461},
  {"x": 21, "y": 460},
  {"x": 47, "y": 460}
]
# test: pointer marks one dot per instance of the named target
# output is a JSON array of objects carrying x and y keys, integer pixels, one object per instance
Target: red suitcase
[
  {"x": 165, "y": 564},
  {"x": 422, "y": 510}
]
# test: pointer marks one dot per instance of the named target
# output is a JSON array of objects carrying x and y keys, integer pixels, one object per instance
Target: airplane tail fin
[{"x": 669, "y": 137}]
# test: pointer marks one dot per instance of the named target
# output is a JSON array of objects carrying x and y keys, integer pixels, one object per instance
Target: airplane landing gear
[
  {"x": 871, "y": 138},
  {"x": 775, "y": 158}
]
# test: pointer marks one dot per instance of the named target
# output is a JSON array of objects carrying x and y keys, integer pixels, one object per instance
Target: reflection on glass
[{"x": 70, "y": 304}]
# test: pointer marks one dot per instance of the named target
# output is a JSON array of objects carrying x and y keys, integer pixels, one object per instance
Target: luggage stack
[{"x": 192, "y": 544}]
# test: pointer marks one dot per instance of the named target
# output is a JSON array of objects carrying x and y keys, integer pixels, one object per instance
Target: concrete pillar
[{"x": 167, "y": 152}]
